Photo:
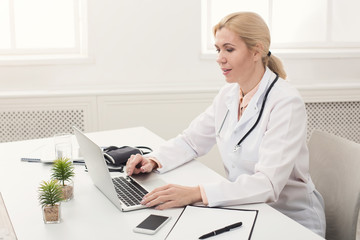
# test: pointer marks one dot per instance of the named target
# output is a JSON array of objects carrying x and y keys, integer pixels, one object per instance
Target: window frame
[
  {"x": 33, "y": 56},
  {"x": 302, "y": 50}
]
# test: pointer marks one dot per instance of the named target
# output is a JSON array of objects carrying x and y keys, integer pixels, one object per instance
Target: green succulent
[
  {"x": 50, "y": 193},
  {"x": 62, "y": 170}
]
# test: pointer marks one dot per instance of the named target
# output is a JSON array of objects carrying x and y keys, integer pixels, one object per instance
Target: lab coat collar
[
  {"x": 266, "y": 80},
  {"x": 232, "y": 100},
  {"x": 254, "y": 105}
]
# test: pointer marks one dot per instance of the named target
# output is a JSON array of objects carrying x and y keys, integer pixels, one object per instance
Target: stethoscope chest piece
[{"x": 236, "y": 148}]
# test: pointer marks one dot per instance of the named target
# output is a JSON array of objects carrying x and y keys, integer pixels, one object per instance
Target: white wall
[
  {"x": 136, "y": 44},
  {"x": 143, "y": 44}
]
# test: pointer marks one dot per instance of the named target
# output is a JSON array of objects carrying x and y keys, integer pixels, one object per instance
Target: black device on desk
[{"x": 151, "y": 224}]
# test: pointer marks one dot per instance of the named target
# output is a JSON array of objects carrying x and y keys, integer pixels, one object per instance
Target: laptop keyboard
[{"x": 129, "y": 191}]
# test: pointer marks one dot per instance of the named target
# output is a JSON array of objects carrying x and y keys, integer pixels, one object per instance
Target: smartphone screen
[{"x": 151, "y": 224}]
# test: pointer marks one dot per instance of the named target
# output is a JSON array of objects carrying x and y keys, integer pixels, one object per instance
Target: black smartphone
[{"x": 151, "y": 224}]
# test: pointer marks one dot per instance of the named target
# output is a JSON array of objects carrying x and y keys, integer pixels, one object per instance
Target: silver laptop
[{"x": 123, "y": 191}]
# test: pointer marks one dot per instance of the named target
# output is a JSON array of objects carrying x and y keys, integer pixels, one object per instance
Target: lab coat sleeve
[
  {"x": 193, "y": 142},
  {"x": 284, "y": 136}
]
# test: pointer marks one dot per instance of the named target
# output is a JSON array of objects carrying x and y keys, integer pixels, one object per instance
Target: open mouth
[{"x": 225, "y": 71}]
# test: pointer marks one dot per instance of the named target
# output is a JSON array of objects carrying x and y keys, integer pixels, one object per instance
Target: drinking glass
[{"x": 63, "y": 146}]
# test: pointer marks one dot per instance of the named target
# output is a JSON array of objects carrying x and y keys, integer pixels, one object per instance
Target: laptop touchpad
[{"x": 149, "y": 180}]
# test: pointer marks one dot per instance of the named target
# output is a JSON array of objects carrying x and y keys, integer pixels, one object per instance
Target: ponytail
[{"x": 275, "y": 65}]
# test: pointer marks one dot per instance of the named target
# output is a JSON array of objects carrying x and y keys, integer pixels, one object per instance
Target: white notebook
[{"x": 196, "y": 221}]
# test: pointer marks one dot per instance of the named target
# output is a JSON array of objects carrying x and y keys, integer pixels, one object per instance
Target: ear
[{"x": 257, "y": 52}]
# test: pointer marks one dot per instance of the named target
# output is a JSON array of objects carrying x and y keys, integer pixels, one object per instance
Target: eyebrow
[{"x": 226, "y": 44}]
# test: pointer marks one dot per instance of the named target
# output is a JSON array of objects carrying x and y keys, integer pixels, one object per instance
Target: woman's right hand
[{"x": 139, "y": 164}]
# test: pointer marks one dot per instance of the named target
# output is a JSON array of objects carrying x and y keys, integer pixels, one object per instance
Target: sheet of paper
[
  {"x": 197, "y": 221},
  {"x": 6, "y": 228}
]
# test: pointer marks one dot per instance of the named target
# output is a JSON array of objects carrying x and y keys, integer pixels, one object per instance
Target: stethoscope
[{"x": 257, "y": 120}]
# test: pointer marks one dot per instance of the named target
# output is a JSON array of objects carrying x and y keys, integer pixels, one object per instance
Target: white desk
[{"x": 90, "y": 215}]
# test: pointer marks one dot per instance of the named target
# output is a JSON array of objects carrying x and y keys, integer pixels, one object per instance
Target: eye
[
  {"x": 229, "y": 50},
  {"x": 217, "y": 50}
]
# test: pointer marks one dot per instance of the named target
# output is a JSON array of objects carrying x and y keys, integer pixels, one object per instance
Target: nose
[{"x": 220, "y": 58}]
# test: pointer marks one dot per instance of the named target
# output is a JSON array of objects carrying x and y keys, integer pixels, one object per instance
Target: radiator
[
  {"x": 29, "y": 124},
  {"x": 339, "y": 118}
]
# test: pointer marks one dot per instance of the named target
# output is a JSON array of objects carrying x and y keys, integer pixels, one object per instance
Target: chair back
[{"x": 335, "y": 170}]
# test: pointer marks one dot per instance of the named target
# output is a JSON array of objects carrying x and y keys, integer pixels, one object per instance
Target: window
[
  {"x": 321, "y": 28},
  {"x": 39, "y": 30}
]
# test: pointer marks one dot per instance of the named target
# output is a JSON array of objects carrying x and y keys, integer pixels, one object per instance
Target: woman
[{"x": 271, "y": 163}]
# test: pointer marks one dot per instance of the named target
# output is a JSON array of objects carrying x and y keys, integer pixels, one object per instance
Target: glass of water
[{"x": 63, "y": 146}]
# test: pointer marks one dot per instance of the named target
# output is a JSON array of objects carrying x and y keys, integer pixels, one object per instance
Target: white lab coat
[{"x": 272, "y": 163}]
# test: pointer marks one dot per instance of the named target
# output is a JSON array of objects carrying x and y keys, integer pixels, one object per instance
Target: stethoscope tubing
[{"x": 257, "y": 120}]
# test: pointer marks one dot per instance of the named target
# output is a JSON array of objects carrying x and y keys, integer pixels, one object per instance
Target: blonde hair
[{"x": 253, "y": 31}]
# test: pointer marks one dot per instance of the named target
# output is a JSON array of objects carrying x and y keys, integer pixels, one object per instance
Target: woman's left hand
[{"x": 172, "y": 195}]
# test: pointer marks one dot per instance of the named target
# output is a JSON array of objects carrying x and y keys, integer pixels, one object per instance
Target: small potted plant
[
  {"x": 63, "y": 171},
  {"x": 50, "y": 197}
]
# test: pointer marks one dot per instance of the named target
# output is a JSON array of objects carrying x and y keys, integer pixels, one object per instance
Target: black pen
[{"x": 221, "y": 230}]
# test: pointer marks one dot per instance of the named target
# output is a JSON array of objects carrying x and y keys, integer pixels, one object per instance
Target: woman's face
[{"x": 234, "y": 58}]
